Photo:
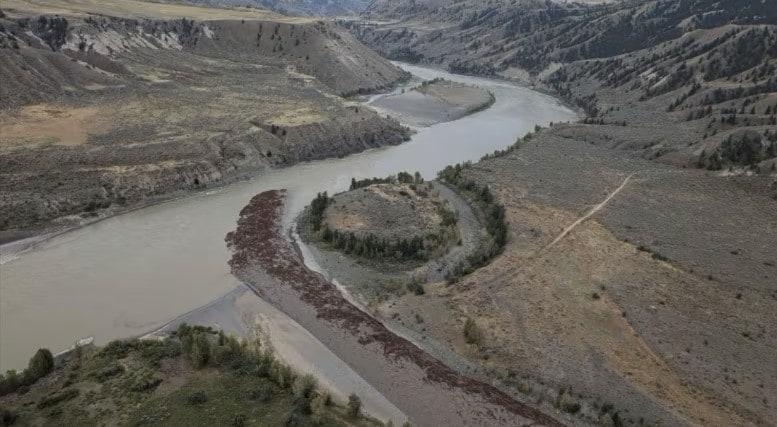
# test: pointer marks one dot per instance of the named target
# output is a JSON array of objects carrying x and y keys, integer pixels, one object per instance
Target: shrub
[
  {"x": 41, "y": 364},
  {"x": 154, "y": 351},
  {"x": 108, "y": 372},
  {"x": 144, "y": 383},
  {"x": 264, "y": 363},
  {"x": 318, "y": 408},
  {"x": 197, "y": 398},
  {"x": 263, "y": 393},
  {"x": 472, "y": 333},
  {"x": 9, "y": 383},
  {"x": 7, "y": 417},
  {"x": 415, "y": 287},
  {"x": 281, "y": 374},
  {"x": 571, "y": 407},
  {"x": 303, "y": 386},
  {"x": 200, "y": 350},
  {"x": 117, "y": 349},
  {"x": 354, "y": 405},
  {"x": 239, "y": 420},
  {"x": 317, "y": 207},
  {"x": 58, "y": 397}
]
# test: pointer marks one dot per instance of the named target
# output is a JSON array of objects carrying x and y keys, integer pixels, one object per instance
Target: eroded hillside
[
  {"x": 103, "y": 111},
  {"x": 707, "y": 67}
]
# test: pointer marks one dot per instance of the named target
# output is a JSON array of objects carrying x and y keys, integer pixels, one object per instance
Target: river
[{"x": 129, "y": 274}]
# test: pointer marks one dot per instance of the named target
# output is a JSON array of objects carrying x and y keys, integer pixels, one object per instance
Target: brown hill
[{"x": 102, "y": 110}]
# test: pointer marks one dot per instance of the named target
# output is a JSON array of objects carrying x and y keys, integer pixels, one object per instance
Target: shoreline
[
  {"x": 262, "y": 256},
  {"x": 41, "y": 234}
]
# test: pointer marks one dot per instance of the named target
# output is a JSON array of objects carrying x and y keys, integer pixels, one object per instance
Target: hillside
[
  {"x": 707, "y": 66},
  {"x": 112, "y": 93},
  {"x": 298, "y": 7},
  {"x": 637, "y": 282},
  {"x": 194, "y": 376}
]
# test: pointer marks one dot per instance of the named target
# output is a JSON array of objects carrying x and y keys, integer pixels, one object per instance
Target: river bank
[
  {"x": 135, "y": 271},
  {"x": 263, "y": 257},
  {"x": 241, "y": 312}
]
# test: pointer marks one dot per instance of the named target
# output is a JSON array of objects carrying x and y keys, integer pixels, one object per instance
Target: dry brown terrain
[
  {"x": 140, "y": 9},
  {"x": 387, "y": 211},
  {"x": 645, "y": 287},
  {"x": 108, "y": 105},
  {"x": 639, "y": 276}
]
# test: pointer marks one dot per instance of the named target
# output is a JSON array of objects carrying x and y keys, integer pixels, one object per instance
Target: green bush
[
  {"x": 197, "y": 398},
  {"x": 200, "y": 350},
  {"x": 304, "y": 386},
  {"x": 354, "y": 406},
  {"x": 9, "y": 382},
  {"x": 7, "y": 417},
  {"x": 472, "y": 333},
  {"x": 108, "y": 372},
  {"x": 55, "y": 398},
  {"x": 41, "y": 363},
  {"x": 262, "y": 393},
  {"x": 492, "y": 214},
  {"x": 571, "y": 407},
  {"x": 415, "y": 287},
  {"x": 239, "y": 420}
]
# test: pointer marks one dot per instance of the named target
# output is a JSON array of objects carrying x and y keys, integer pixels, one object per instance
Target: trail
[{"x": 590, "y": 213}]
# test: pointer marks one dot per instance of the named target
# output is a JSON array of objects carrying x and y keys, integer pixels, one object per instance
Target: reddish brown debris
[{"x": 259, "y": 241}]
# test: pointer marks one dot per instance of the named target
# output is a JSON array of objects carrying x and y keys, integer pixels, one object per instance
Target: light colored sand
[{"x": 242, "y": 313}]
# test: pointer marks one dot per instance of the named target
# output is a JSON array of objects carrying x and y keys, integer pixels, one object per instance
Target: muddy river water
[{"x": 132, "y": 273}]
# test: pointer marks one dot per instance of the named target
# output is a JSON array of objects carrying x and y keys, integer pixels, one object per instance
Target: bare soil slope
[{"x": 104, "y": 112}]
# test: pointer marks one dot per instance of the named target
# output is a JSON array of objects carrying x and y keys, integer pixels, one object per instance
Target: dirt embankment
[
  {"x": 104, "y": 114},
  {"x": 426, "y": 390}
]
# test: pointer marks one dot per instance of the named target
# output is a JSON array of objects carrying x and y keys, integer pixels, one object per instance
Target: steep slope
[
  {"x": 105, "y": 112},
  {"x": 707, "y": 66}
]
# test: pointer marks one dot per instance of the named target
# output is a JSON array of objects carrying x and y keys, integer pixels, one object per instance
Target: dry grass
[
  {"x": 48, "y": 123},
  {"x": 141, "y": 9}
]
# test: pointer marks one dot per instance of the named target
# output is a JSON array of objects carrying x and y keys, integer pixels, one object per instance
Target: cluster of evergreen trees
[
  {"x": 402, "y": 178},
  {"x": 39, "y": 366},
  {"x": 371, "y": 247},
  {"x": 317, "y": 208},
  {"x": 491, "y": 212},
  {"x": 744, "y": 150}
]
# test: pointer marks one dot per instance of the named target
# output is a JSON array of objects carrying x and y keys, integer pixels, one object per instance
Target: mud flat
[
  {"x": 426, "y": 390},
  {"x": 435, "y": 101}
]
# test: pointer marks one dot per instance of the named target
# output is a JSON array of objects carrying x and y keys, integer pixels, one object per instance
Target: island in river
[{"x": 435, "y": 101}]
